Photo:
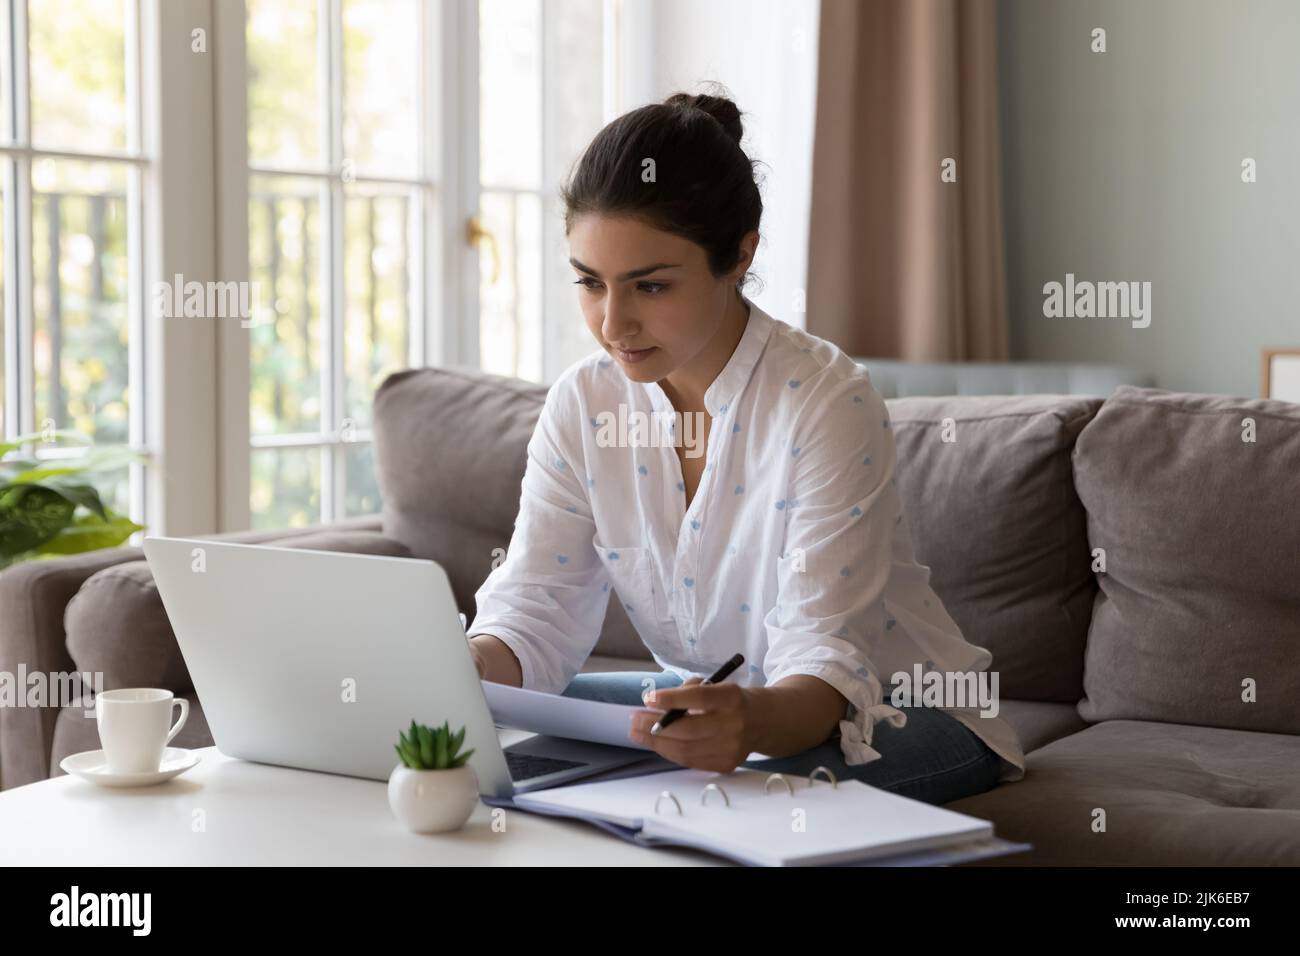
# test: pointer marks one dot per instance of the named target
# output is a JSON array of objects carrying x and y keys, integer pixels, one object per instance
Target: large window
[
  {"x": 71, "y": 199},
  {"x": 398, "y": 204},
  {"x": 340, "y": 196},
  {"x": 542, "y": 96}
]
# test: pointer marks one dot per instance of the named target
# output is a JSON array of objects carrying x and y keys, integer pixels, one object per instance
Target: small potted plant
[{"x": 433, "y": 789}]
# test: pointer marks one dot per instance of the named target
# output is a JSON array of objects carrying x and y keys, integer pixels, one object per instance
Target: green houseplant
[
  {"x": 434, "y": 788},
  {"x": 50, "y": 508}
]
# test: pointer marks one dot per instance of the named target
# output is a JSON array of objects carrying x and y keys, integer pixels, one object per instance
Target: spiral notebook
[{"x": 772, "y": 819}]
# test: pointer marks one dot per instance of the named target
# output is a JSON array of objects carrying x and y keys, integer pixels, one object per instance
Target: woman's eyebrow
[{"x": 634, "y": 274}]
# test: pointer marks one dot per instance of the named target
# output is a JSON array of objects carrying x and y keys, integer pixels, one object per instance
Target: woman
[{"x": 774, "y": 528}]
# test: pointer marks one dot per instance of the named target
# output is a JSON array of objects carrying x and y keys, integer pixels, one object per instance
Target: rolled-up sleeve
[
  {"x": 546, "y": 601},
  {"x": 841, "y": 512}
]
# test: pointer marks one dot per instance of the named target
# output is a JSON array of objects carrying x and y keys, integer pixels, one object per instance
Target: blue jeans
[{"x": 934, "y": 758}]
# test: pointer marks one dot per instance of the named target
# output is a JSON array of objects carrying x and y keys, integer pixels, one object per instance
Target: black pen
[{"x": 722, "y": 673}]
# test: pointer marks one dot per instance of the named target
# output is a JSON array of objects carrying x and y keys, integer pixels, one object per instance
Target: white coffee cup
[{"x": 134, "y": 726}]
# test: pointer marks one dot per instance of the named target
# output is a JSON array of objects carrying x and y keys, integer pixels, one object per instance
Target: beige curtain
[{"x": 902, "y": 264}]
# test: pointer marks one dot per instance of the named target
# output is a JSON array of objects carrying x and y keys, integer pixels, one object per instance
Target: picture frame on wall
[{"x": 1281, "y": 374}]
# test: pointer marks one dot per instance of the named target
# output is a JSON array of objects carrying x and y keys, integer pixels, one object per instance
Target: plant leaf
[
  {"x": 90, "y": 535},
  {"x": 19, "y": 440},
  {"x": 31, "y": 515},
  {"x": 95, "y": 460},
  {"x": 440, "y": 749}
]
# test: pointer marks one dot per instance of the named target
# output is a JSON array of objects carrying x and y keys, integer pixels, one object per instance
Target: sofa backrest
[
  {"x": 450, "y": 450},
  {"x": 994, "y": 513},
  {"x": 1195, "y": 501},
  {"x": 988, "y": 491}
]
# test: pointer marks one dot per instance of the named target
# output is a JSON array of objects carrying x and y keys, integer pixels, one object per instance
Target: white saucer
[{"x": 91, "y": 765}]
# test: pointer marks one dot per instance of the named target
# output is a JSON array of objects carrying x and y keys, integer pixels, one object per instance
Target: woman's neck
[{"x": 685, "y": 387}]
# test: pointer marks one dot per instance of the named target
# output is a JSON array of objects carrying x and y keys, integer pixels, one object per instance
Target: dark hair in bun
[{"x": 679, "y": 167}]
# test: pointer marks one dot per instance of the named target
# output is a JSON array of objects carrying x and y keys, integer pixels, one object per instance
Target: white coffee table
[{"x": 230, "y": 812}]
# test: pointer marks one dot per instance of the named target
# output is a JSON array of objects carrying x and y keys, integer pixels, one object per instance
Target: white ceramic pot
[{"x": 433, "y": 801}]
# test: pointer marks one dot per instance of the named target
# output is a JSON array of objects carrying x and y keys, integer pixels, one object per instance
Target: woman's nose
[{"x": 618, "y": 326}]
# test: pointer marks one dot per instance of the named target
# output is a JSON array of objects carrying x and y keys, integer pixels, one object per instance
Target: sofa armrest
[{"x": 34, "y": 597}]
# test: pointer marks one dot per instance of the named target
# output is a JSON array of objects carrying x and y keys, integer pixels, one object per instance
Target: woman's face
[{"x": 649, "y": 292}]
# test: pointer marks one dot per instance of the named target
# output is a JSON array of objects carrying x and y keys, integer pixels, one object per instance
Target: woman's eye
[
  {"x": 587, "y": 283},
  {"x": 653, "y": 288}
]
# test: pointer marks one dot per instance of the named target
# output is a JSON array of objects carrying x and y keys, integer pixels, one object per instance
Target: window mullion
[
  {"x": 139, "y": 396},
  {"x": 332, "y": 318},
  {"x": 21, "y": 313}
]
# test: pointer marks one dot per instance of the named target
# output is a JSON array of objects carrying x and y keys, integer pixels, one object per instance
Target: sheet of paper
[
  {"x": 558, "y": 716},
  {"x": 571, "y": 717}
]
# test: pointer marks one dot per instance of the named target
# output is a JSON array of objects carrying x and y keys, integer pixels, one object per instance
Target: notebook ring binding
[
  {"x": 829, "y": 776},
  {"x": 669, "y": 794},
  {"x": 704, "y": 795},
  {"x": 778, "y": 776}
]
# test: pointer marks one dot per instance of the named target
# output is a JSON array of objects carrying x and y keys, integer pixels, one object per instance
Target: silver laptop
[{"x": 317, "y": 659}]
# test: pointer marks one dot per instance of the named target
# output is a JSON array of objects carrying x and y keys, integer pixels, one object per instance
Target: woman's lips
[{"x": 634, "y": 356}]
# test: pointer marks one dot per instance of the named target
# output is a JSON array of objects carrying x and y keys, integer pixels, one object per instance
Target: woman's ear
[{"x": 748, "y": 248}]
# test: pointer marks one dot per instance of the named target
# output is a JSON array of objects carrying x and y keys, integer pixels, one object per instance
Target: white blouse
[{"x": 794, "y": 550}]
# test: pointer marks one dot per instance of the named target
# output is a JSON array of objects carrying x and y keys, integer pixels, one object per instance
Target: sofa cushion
[
  {"x": 994, "y": 516},
  {"x": 1173, "y": 795},
  {"x": 116, "y": 624},
  {"x": 450, "y": 450},
  {"x": 1039, "y": 722},
  {"x": 1201, "y": 536}
]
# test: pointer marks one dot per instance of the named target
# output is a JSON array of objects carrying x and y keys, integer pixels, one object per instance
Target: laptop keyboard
[{"x": 527, "y": 766}]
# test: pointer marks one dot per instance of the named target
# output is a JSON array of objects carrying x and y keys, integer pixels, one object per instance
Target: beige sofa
[{"x": 1157, "y": 698}]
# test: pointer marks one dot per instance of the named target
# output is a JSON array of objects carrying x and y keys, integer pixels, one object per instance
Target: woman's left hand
[{"x": 715, "y": 734}]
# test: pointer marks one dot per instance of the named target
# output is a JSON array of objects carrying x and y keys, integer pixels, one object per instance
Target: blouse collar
[{"x": 735, "y": 375}]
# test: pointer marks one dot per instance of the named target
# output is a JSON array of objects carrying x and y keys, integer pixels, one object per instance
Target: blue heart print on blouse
[
  {"x": 794, "y": 452},
  {"x": 744, "y": 609},
  {"x": 724, "y": 407},
  {"x": 843, "y": 631},
  {"x": 735, "y": 428},
  {"x": 844, "y": 571},
  {"x": 695, "y": 524},
  {"x": 613, "y": 556},
  {"x": 780, "y": 505},
  {"x": 689, "y": 582},
  {"x": 794, "y": 383},
  {"x": 889, "y": 623},
  {"x": 562, "y": 558},
  {"x": 740, "y": 489},
  {"x": 559, "y": 463},
  {"x": 855, "y": 511},
  {"x": 591, "y": 482},
  {"x": 857, "y": 399},
  {"x": 681, "y": 486},
  {"x": 867, "y": 460},
  {"x": 642, "y": 469}
]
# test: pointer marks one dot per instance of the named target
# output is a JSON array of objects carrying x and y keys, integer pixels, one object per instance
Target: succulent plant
[{"x": 432, "y": 748}]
